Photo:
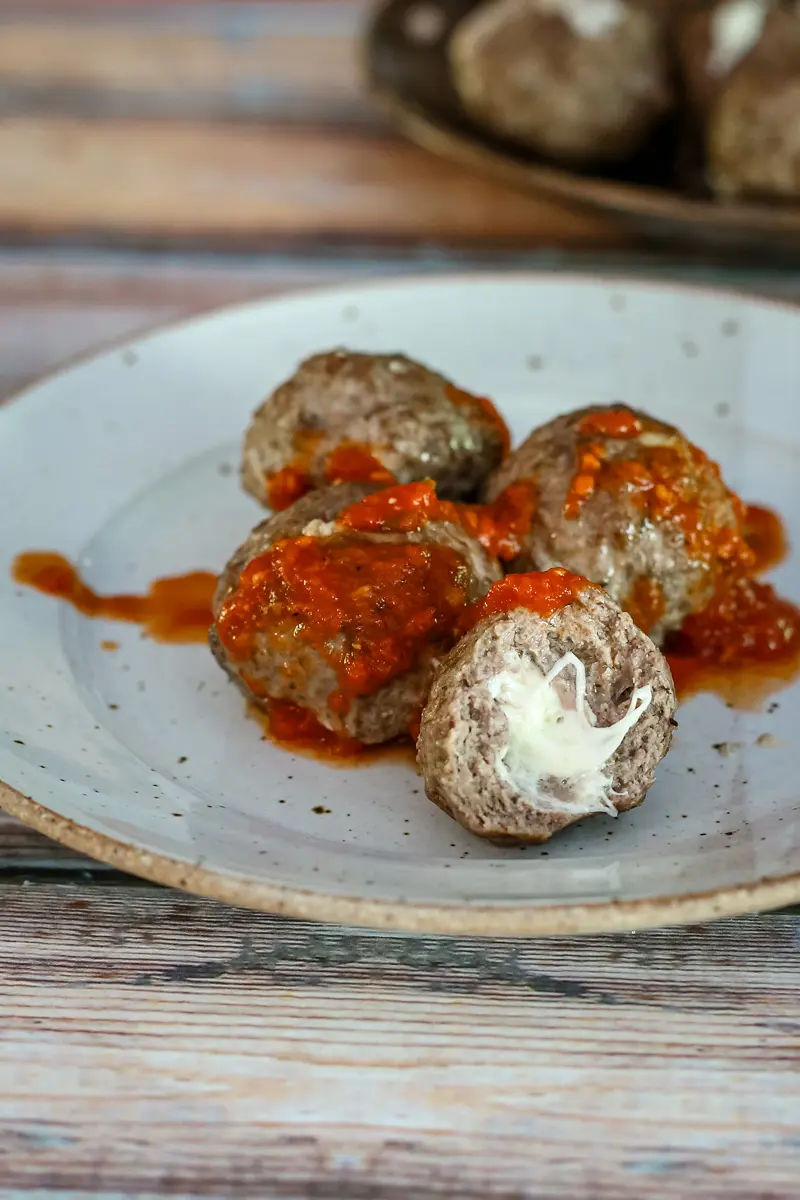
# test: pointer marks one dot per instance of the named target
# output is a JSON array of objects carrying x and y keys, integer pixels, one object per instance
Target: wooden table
[{"x": 158, "y": 160}]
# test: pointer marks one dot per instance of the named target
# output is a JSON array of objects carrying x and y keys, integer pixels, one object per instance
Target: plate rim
[
  {"x": 398, "y": 916},
  {"x": 631, "y": 201},
  {"x": 402, "y": 916}
]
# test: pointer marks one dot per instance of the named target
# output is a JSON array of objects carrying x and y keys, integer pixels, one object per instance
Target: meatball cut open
[
  {"x": 630, "y": 503},
  {"x": 345, "y": 417},
  {"x": 581, "y": 81},
  {"x": 342, "y": 604},
  {"x": 553, "y": 707}
]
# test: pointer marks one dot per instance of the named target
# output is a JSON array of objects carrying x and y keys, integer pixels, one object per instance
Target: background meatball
[
  {"x": 712, "y": 41},
  {"x": 583, "y": 81},
  {"x": 344, "y": 417},
  {"x": 366, "y": 583},
  {"x": 753, "y": 135},
  {"x": 533, "y": 722},
  {"x": 628, "y": 502}
]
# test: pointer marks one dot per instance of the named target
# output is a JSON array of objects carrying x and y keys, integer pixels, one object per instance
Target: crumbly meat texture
[
  {"x": 464, "y": 728},
  {"x": 415, "y": 422},
  {"x": 612, "y": 541},
  {"x": 295, "y": 671},
  {"x": 584, "y": 84},
  {"x": 753, "y": 134}
]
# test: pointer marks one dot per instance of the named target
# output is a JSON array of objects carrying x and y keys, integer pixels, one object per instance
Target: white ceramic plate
[{"x": 144, "y": 758}]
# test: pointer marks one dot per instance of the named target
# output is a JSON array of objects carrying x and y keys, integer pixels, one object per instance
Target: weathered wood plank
[
  {"x": 167, "y": 180},
  {"x": 278, "y": 60},
  {"x": 154, "y": 1043}
]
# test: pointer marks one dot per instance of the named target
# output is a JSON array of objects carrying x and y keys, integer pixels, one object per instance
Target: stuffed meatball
[
  {"x": 346, "y": 417},
  {"x": 553, "y": 707},
  {"x": 630, "y": 503},
  {"x": 582, "y": 81},
  {"x": 342, "y": 604}
]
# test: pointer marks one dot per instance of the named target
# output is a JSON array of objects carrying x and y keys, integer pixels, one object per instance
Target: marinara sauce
[
  {"x": 174, "y": 609},
  {"x": 541, "y": 592}
]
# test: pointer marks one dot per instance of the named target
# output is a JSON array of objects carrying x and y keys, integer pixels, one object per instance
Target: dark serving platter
[{"x": 659, "y": 192}]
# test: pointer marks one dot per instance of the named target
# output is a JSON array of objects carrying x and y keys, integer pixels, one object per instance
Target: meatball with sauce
[
  {"x": 580, "y": 81},
  {"x": 342, "y": 604},
  {"x": 630, "y": 503},
  {"x": 346, "y": 417},
  {"x": 551, "y": 708}
]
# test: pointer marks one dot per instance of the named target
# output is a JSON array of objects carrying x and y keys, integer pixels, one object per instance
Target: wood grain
[
  {"x": 285, "y": 61},
  {"x": 154, "y": 1043},
  {"x": 167, "y": 180}
]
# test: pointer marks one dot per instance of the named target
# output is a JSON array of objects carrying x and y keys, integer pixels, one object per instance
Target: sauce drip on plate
[
  {"x": 175, "y": 609},
  {"x": 298, "y": 730},
  {"x": 744, "y": 645}
]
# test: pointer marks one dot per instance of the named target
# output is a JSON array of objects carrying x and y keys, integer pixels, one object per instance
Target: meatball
[
  {"x": 628, "y": 502},
  {"x": 346, "y": 417},
  {"x": 345, "y": 623},
  {"x": 711, "y": 44},
  {"x": 581, "y": 81},
  {"x": 753, "y": 144},
  {"x": 536, "y": 721}
]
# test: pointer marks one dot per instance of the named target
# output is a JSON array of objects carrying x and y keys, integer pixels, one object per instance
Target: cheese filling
[
  {"x": 735, "y": 29},
  {"x": 556, "y": 757}
]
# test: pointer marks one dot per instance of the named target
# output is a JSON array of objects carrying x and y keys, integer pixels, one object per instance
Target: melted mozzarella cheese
[
  {"x": 548, "y": 742},
  {"x": 319, "y": 529},
  {"x": 735, "y": 29}
]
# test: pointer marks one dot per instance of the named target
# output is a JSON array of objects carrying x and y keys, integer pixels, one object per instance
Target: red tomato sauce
[
  {"x": 766, "y": 537},
  {"x": 611, "y": 423},
  {"x": 351, "y": 462},
  {"x": 541, "y": 592},
  {"x": 297, "y": 729},
  {"x": 175, "y": 609},
  {"x": 499, "y": 527},
  {"x": 371, "y": 611}
]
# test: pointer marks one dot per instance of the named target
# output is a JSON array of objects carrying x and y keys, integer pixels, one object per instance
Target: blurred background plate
[{"x": 407, "y": 66}]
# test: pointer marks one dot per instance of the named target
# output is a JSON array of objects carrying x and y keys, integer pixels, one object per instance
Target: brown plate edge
[
  {"x": 401, "y": 916},
  {"x": 625, "y": 200}
]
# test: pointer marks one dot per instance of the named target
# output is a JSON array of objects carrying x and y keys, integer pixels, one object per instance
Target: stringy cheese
[{"x": 547, "y": 741}]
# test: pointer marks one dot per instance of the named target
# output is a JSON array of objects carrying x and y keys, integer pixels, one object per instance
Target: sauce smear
[
  {"x": 176, "y": 609},
  {"x": 297, "y": 729}
]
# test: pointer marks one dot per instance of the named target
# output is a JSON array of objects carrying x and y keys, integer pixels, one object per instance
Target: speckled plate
[{"x": 143, "y": 758}]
